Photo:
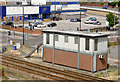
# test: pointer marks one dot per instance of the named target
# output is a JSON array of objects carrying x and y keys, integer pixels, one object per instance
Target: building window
[
  {"x": 76, "y": 40},
  {"x": 47, "y": 38},
  {"x": 65, "y": 38},
  {"x": 87, "y": 44},
  {"x": 96, "y": 44},
  {"x": 56, "y": 37}
]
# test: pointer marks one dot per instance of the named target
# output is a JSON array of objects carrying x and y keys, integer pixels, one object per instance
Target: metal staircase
[{"x": 29, "y": 52}]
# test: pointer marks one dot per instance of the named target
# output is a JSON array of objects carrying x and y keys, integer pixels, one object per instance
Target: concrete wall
[{"x": 70, "y": 45}]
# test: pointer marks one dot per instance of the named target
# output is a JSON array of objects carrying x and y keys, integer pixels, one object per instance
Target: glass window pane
[
  {"x": 87, "y": 44},
  {"x": 47, "y": 38},
  {"x": 76, "y": 40},
  {"x": 66, "y": 38},
  {"x": 56, "y": 37},
  {"x": 96, "y": 43}
]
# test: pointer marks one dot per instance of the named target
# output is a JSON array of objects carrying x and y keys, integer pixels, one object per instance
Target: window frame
[
  {"x": 56, "y": 37},
  {"x": 75, "y": 40},
  {"x": 47, "y": 38},
  {"x": 95, "y": 45},
  {"x": 87, "y": 44},
  {"x": 66, "y": 38}
]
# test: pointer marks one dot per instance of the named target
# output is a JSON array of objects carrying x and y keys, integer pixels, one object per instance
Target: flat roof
[{"x": 76, "y": 33}]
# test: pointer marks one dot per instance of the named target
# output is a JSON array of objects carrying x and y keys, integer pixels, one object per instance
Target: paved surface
[
  {"x": 30, "y": 40},
  {"x": 66, "y": 24},
  {"x": 116, "y": 9}
]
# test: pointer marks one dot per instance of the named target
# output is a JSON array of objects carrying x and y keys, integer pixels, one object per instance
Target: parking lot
[{"x": 66, "y": 24}]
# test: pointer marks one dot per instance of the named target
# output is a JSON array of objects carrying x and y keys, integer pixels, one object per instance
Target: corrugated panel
[{"x": 2, "y": 10}]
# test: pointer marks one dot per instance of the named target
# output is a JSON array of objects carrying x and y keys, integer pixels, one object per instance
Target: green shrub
[
  {"x": 119, "y": 9},
  {"x": 102, "y": 3},
  {"x": 108, "y": 70},
  {"x": 101, "y": 73}
]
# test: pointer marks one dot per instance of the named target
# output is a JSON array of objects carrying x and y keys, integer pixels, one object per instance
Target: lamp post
[
  {"x": 80, "y": 20},
  {"x": 23, "y": 25},
  {"x": 55, "y": 10}
]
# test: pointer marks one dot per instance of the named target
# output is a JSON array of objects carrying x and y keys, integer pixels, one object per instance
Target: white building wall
[
  {"x": 82, "y": 44},
  {"x": 70, "y": 45},
  {"x": 44, "y": 38},
  {"x": 64, "y": 7},
  {"x": 19, "y": 10},
  {"x": 38, "y": 2},
  {"x": 102, "y": 44},
  {"x": 66, "y": 45},
  {"x": 91, "y": 45}
]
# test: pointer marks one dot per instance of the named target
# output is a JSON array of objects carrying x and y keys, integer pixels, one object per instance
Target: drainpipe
[
  {"x": 53, "y": 48},
  {"x": 78, "y": 53}
]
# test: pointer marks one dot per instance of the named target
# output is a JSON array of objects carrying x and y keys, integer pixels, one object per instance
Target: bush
[
  {"x": 119, "y": 9},
  {"x": 102, "y": 3},
  {"x": 108, "y": 70}
]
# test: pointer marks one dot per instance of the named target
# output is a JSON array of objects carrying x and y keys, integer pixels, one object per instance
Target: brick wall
[
  {"x": 101, "y": 63},
  {"x": 18, "y": 29},
  {"x": 68, "y": 58}
]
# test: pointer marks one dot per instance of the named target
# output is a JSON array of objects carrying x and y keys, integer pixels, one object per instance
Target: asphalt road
[
  {"x": 116, "y": 9},
  {"x": 66, "y": 24},
  {"x": 30, "y": 40}
]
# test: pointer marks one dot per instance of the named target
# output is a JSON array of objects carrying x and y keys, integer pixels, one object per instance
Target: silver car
[{"x": 91, "y": 20}]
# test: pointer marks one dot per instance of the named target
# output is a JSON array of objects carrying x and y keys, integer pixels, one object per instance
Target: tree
[
  {"x": 110, "y": 19},
  {"x": 119, "y": 4}
]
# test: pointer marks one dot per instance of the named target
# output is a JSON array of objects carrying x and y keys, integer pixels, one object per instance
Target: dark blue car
[{"x": 105, "y": 7}]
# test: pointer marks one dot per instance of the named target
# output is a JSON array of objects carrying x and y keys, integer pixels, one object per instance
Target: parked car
[
  {"x": 22, "y": 26},
  {"x": 56, "y": 18},
  {"x": 52, "y": 24},
  {"x": 105, "y": 7},
  {"x": 3, "y": 23},
  {"x": 91, "y": 20},
  {"x": 75, "y": 20},
  {"x": 2, "y": 49},
  {"x": 97, "y": 23},
  {"x": 7, "y": 23},
  {"x": 41, "y": 25}
]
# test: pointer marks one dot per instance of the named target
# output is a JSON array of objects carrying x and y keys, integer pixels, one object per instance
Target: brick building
[{"x": 82, "y": 50}]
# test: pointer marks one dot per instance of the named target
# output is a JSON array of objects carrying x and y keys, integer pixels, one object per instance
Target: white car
[
  {"x": 41, "y": 25},
  {"x": 90, "y": 22}
]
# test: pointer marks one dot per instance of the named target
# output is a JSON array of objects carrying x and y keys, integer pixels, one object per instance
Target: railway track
[{"x": 69, "y": 74}]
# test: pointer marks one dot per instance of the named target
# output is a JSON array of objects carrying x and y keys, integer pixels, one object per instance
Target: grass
[
  {"x": 14, "y": 74},
  {"x": 112, "y": 74}
]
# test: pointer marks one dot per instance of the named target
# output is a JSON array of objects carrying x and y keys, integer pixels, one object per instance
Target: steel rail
[
  {"x": 66, "y": 73},
  {"x": 28, "y": 70}
]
